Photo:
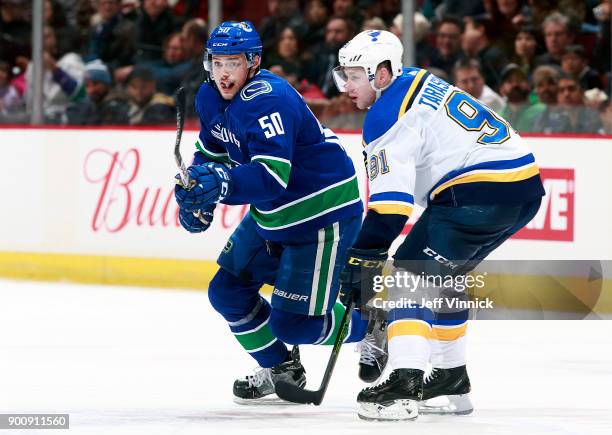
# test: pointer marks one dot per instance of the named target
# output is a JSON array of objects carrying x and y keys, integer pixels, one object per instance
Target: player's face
[
  {"x": 230, "y": 73},
  {"x": 358, "y": 87}
]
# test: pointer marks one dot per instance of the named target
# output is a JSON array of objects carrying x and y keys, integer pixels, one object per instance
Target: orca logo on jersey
[{"x": 254, "y": 89}]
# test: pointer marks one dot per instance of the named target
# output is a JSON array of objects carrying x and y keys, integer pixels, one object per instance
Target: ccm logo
[
  {"x": 370, "y": 264},
  {"x": 440, "y": 259},
  {"x": 555, "y": 219}
]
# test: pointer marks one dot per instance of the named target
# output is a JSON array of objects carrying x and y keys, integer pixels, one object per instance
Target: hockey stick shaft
[
  {"x": 178, "y": 158},
  {"x": 180, "y": 123},
  {"x": 293, "y": 393}
]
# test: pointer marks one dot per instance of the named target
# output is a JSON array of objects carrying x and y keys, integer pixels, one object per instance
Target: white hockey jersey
[{"x": 428, "y": 141}]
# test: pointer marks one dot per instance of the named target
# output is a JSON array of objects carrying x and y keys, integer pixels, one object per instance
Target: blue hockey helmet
[{"x": 231, "y": 37}]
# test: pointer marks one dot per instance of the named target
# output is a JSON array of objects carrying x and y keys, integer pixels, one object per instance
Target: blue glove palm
[
  {"x": 193, "y": 223},
  {"x": 212, "y": 184}
]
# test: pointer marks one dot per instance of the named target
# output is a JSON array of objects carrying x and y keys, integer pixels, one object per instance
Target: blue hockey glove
[
  {"x": 193, "y": 222},
  {"x": 357, "y": 277},
  {"x": 212, "y": 184}
]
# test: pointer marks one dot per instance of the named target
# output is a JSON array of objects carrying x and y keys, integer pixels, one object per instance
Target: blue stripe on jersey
[
  {"x": 392, "y": 196},
  {"x": 493, "y": 165}
]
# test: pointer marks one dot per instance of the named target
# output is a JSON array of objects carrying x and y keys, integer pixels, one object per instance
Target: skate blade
[
  {"x": 271, "y": 400},
  {"x": 396, "y": 410},
  {"x": 459, "y": 404}
]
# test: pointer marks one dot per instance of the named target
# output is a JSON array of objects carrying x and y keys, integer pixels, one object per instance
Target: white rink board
[
  {"x": 126, "y": 361},
  {"x": 109, "y": 193}
]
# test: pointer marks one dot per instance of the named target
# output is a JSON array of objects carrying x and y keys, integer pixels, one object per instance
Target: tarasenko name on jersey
[
  {"x": 427, "y": 140},
  {"x": 292, "y": 171}
]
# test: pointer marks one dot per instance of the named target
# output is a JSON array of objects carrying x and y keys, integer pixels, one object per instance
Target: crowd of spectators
[{"x": 544, "y": 65}]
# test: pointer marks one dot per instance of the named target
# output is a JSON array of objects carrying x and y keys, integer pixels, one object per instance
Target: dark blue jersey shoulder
[
  {"x": 263, "y": 94},
  {"x": 393, "y": 103}
]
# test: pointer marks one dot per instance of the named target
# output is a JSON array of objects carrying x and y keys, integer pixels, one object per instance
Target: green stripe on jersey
[
  {"x": 279, "y": 168},
  {"x": 256, "y": 339},
  {"x": 310, "y": 207},
  {"x": 324, "y": 270},
  {"x": 216, "y": 157}
]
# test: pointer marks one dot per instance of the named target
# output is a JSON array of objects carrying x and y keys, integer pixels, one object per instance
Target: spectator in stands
[
  {"x": 102, "y": 106},
  {"x": 602, "y": 49},
  {"x": 458, "y": 8},
  {"x": 421, "y": 30},
  {"x": 311, "y": 93},
  {"x": 110, "y": 39},
  {"x": 503, "y": 13},
  {"x": 448, "y": 44},
  {"x": 319, "y": 69},
  {"x": 369, "y": 9},
  {"x": 315, "y": 14},
  {"x": 476, "y": 43},
  {"x": 287, "y": 49},
  {"x": 375, "y": 23},
  {"x": 57, "y": 92},
  {"x": 525, "y": 49},
  {"x": 570, "y": 115},
  {"x": 348, "y": 9},
  {"x": 468, "y": 77},
  {"x": 282, "y": 13},
  {"x": 534, "y": 12},
  {"x": 11, "y": 103},
  {"x": 15, "y": 33},
  {"x": 154, "y": 24},
  {"x": 194, "y": 35},
  {"x": 515, "y": 89},
  {"x": 168, "y": 71},
  {"x": 55, "y": 17},
  {"x": 557, "y": 36},
  {"x": 145, "y": 105},
  {"x": 545, "y": 80},
  {"x": 574, "y": 62}
]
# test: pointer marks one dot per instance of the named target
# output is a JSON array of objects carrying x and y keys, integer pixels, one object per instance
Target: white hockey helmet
[{"x": 368, "y": 50}]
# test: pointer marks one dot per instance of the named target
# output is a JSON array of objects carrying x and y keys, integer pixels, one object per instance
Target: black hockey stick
[
  {"x": 180, "y": 123},
  {"x": 293, "y": 393}
]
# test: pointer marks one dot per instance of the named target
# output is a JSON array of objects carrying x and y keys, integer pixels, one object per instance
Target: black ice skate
[
  {"x": 451, "y": 386},
  {"x": 395, "y": 399},
  {"x": 373, "y": 348},
  {"x": 254, "y": 388}
]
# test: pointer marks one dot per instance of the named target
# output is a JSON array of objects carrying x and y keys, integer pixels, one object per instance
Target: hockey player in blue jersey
[
  {"x": 431, "y": 144},
  {"x": 259, "y": 144}
]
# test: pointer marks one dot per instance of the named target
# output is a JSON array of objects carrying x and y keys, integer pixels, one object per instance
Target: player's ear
[{"x": 382, "y": 77}]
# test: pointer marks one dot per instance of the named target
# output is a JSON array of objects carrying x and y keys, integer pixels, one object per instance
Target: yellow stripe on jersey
[
  {"x": 411, "y": 89},
  {"x": 409, "y": 327},
  {"x": 494, "y": 176},
  {"x": 448, "y": 334},
  {"x": 403, "y": 209}
]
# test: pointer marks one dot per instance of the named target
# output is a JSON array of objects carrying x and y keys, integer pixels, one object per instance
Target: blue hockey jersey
[{"x": 291, "y": 170}]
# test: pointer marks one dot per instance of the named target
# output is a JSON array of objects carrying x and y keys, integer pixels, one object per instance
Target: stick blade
[{"x": 295, "y": 394}]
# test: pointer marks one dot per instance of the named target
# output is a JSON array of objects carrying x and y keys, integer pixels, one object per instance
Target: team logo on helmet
[
  {"x": 374, "y": 34},
  {"x": 245, "y": 26}
]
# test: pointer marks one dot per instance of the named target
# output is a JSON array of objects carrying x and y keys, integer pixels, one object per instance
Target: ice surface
[{"x": 139, "y": 361}]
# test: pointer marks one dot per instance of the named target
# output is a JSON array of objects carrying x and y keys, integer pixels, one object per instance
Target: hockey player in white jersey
[{"x": 431, "y": 144}]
